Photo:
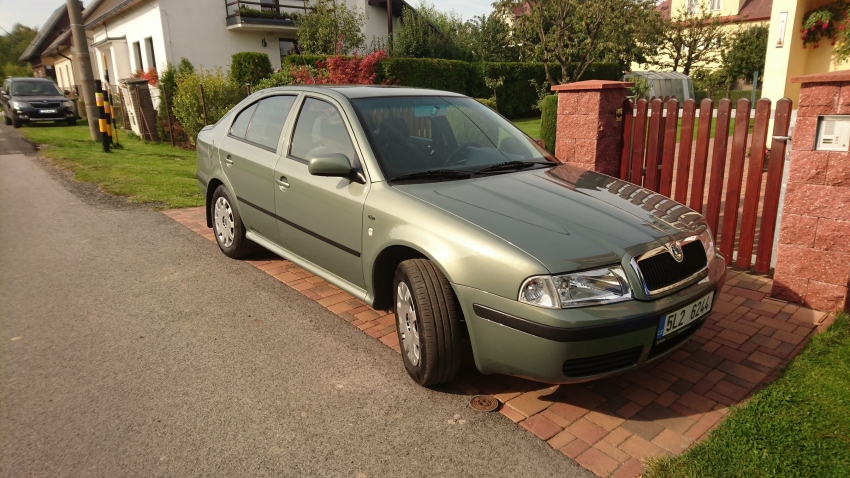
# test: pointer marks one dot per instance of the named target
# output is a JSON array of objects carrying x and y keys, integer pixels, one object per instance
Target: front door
[{"x": 321, "y": 218}]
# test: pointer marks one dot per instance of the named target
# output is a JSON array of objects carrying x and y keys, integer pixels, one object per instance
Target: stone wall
[{"x": 813, "y": 257}]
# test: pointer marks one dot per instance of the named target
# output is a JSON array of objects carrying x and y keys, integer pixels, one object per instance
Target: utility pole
[{"x": 82, "y": 58}]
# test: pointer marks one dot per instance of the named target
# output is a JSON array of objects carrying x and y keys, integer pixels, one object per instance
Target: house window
[
  {"x": 68, "y": 74},
  {"x": 137, "y": 53},
  {"x": 693, "y": 6},
  {"x": 62, "y": 82},
  {"x": 287, "y": 47},
  {"x": 715, "y": 5},
  {"x": 149, "y": 52}
]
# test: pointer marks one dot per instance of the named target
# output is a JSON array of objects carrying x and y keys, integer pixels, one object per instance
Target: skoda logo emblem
[{"x": 675, "y": 249}]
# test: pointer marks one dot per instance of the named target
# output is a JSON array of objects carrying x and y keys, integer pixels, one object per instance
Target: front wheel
[
  {"x": 427, "y": 317},
  {"x": 16, "y": 123},
  {"x": 6, "y": 119},
  {"x": 228, "y": 227}
]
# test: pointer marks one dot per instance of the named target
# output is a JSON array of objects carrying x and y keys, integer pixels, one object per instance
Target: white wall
[
  {"x": 376, "y": 21},
  {"x": 197, "y": 31},
  {"x": 136, "y": 25}
]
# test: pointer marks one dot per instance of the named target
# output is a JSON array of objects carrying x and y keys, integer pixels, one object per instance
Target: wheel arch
[
  {"x": 383, "y": 271},
  {"x": 211, "y": 187}
]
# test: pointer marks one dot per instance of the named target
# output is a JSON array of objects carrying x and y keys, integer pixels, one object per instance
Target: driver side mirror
[{"x": 333, "y": 164}]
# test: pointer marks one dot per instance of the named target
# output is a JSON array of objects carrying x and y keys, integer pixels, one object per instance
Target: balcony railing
[{"x": 265, "y": 12}]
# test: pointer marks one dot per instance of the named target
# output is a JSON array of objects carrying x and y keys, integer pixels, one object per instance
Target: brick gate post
[
  {"x": 813, "y": 256},
  {"x": 589, "y": 130}
]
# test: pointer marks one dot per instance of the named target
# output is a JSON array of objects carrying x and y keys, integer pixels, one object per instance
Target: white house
[{"x": 126, "y": 36}]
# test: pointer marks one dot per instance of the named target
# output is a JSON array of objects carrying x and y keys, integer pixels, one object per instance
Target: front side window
[
  {"x": 426, "y": 133},
  {"x": 320, "y": 130}
]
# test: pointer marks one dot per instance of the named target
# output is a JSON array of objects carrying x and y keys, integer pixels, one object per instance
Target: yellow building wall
[{"x": 789, "y": 59}]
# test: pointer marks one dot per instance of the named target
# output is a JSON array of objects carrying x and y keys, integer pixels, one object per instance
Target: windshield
[
  {"x": 35, "y": 88},
  {"x": 427, "y": 133}
]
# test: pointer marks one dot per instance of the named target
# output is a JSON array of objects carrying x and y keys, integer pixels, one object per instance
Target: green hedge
[
  {"x": 249, "y": 67},
  {"x": 516, "y": 97},
  {"x": 549, "y": 121}
]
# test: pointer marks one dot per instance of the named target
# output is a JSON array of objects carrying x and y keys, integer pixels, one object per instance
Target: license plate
[
  {"x": 680, "y": 318},
  {"x": 46, "y": 111}
]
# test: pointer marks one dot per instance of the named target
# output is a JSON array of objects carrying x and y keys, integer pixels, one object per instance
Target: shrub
[
  {"x": 283, "y": 77},
  {"x": 249, "y": 67},
  {"x": 220, "y": 92},
  {"x": 549, "y": 121},
  {"x": 488, "y": 102},
  {"x": 168, "y": 85}
]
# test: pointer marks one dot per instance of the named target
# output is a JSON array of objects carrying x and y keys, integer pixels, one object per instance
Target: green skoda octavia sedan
[{"x": 432, "y": 205}]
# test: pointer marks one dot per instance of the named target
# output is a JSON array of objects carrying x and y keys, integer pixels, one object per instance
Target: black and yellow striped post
[
  {"x": 101, "y": 115},
  {"x": 107, "y": 111}
]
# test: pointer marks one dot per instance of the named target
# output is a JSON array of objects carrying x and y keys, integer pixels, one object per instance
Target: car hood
[{"x": 566, "y": 217}]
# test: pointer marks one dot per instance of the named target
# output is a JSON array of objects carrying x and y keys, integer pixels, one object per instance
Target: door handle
[
  {"x": 282, "y": 182},
  {"x": 228, "y": 160}
]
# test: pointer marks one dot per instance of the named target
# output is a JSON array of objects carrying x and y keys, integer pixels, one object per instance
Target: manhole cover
[{"x": 484, "y": 403}]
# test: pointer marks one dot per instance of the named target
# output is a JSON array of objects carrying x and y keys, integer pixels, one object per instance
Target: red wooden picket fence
[{"x": 650, "y": 159}]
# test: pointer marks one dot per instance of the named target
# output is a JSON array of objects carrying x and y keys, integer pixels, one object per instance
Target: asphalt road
[{"x": 129, "y": 346}]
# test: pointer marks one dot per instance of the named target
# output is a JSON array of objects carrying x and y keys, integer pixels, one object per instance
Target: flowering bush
[
  {"x": 827, "y": 22},
  {"x": 340, "y": 70},
  {"x": 151, "y": 75}
]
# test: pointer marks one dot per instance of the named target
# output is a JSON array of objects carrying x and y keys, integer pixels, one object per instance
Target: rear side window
[
  {"x": 240, "y": 126},
  {"x": 267, "y": 124}
]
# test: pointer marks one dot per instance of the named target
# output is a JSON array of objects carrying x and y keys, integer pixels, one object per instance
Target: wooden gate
[{"x": 713, "y": 174}]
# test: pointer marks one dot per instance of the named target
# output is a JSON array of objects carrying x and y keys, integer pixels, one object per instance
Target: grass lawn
[
  {"x": 529, "y": 126},
  {"x": 142, "y": 172},
  {"x": 797, "y": 426}
]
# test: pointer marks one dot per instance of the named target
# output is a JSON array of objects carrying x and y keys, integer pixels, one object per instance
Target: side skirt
[{"x": 313, "y": 268}]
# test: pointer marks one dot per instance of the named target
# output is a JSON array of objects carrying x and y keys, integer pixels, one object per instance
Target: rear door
[{"x": 248, "y": 153}]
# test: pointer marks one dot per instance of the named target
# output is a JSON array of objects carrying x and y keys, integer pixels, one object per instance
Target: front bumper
[
  {"x": 33, "y": 115},
  {"x": 522, "y": 340}
]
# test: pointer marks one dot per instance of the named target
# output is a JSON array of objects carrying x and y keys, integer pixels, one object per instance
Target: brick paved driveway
[{"x": 610, "y": 426}]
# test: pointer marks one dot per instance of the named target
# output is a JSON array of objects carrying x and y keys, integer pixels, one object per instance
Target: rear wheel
[
  {"x": 228, "y": 227},
  {"x": 428, "y": 322}
]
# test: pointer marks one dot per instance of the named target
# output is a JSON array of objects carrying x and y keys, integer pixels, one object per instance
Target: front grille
[
  {"x": 598, "y": 364},
  {"x": 45, "y": 104},
  {"x": 662, "y": 270}
]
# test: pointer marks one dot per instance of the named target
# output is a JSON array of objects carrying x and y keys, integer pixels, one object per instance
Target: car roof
[{"x": 368, "y": 91}]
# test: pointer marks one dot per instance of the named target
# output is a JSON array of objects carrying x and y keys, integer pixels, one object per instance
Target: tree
[
  {"x": 12, "y": 46},
  {"x": 429, "y": 33},
  {"x": 490, "y": 39},
  {"x": 746, "y": 53},
  {"x": 577, "y": 33},
  {"x": 691, "y": 38},
  {"x": 332, "y": 27}
]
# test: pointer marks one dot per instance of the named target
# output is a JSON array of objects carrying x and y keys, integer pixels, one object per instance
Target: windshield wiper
[
  {"x": 434, "y": 174},
  {"x": 512, "y": 166}
]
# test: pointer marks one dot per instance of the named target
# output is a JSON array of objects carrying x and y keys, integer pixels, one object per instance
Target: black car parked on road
[{"x": 27, "y": 100}]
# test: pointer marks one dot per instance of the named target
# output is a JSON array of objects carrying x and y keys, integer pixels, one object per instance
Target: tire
[
  {"x": 227, "y": 225},
  {"x": 16, "y": 123},
  {"x": 6, "y": 119},
  {"x": 427, "y": 316},
  {"x": 71, "y": 122}
]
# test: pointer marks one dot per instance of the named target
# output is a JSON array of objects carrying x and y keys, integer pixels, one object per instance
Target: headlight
[
  {"x": 67, "y": 103},
  {"x": 707, "y": 240},
  {"x": 17, "y": 104},
  {"x": 599, "y": 286}
]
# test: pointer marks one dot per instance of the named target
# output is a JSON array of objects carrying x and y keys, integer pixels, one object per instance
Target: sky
[{"x": 34, "y": 13}]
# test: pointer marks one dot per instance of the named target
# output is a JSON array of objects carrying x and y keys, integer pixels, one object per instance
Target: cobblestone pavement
[{"x": 610, "y": 426}]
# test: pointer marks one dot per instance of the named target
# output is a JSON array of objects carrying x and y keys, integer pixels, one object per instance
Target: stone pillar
[
  {"x": 589, "y": 130},
  {"x": 813, "y": 257},
  {"x": 136, "y": 96}
]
